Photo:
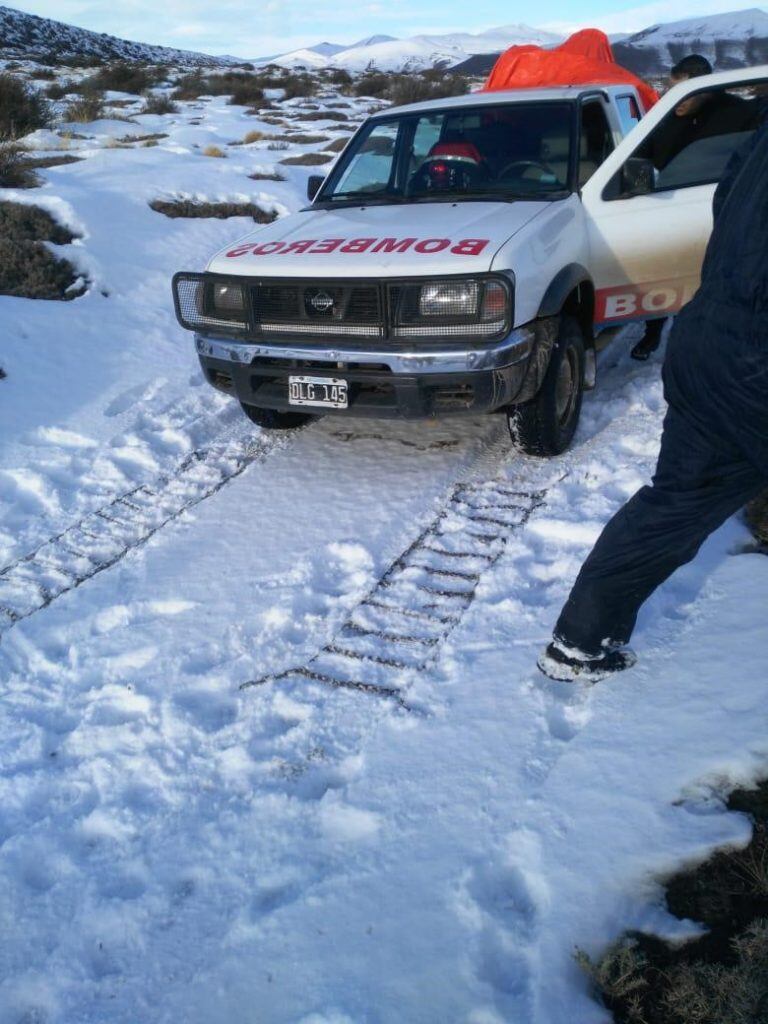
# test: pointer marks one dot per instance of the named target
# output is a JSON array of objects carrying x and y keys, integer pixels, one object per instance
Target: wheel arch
[{"x": 572, "y": 291}]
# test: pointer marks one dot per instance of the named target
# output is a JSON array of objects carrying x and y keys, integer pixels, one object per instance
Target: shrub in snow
[
  {"x": 22, "y": 109},
  {"x": 307, "y": 159},
  {"x": 86, "y": 108},
  {"x": 340, "y": 77},
  {"x": 417, "y": 88},
  {"x": 58, "y": 90},
  {"x": 246, "y": 94},
  {"x": 736, "y": 993},
  {"x": 130, "y": 77},
  {"x": 159, "y": 103},
  {"x": 325, "y": 115},
  {"x": 27, "y": 268},
  {"x": 266, "y": 176},
  {"x": 214, "y": 151},
  {"x": 190, "y": 86},
  {"x": 15, "y": 171},
  {"x": 192, "y": 208},
  {"x": 297, "y": 86},
  {"x": 373, "y": 84},
  {"x": 757, "y": 517},
  {"x": 720, "y": 977}
]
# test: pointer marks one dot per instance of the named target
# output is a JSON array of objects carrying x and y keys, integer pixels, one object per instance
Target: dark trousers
[{"x": 703, "y": 476}]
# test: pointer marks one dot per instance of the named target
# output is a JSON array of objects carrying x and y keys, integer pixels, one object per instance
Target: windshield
[{"x": 512, "y": 150}]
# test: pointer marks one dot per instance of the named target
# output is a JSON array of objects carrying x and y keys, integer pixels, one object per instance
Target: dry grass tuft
[
  {"x": 718, "y": 978},
  {"x": 214, "y": 151},
  {"x": 193, "y": 209},
  {"x": 307, "y": 160},
  {"x": 266, "y": 176}
]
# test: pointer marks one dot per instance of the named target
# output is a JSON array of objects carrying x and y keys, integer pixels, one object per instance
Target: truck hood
[{"x": 379, "y": 241}]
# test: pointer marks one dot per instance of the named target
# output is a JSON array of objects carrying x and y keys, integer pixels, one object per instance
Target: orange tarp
[{"x": 584, "y": 59}]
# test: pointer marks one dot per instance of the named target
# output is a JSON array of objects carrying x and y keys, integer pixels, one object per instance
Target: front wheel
[
  {"x": 272, "y": 419},
  {"x": 546, "y": 424}
]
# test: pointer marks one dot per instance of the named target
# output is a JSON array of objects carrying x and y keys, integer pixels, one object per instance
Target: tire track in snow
[
  {"x": 102, "y": 538},
  {"x": 397, "y": 630}
]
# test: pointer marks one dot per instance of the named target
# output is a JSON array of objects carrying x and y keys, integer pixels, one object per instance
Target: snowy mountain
[
  {"x": 735, "y": 39},
  {"x": 24, "y": 35},
  {"x": 385, "y": 53}
]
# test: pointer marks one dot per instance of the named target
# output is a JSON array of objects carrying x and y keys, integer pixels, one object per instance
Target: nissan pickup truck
[{"x": 468, "y": 255}]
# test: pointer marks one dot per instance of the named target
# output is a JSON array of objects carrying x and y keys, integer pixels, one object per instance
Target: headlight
[
  {"x": 203, "y": 303},
  {"x": 228, "y": 299},
  {"x": 478, "y": 307},
  {"x": 449, "y": 298}
]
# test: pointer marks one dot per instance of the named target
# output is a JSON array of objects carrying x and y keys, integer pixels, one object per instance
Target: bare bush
[
  {"x": 159, "y": 103},
  {"x": 124, "y": 76},
  {"x": 58, "y": 90},
  {"x": 298, "y": 85},
  {"x": 14, "y": 168},
  {"x": 373, "y": 84},
  {"x": 85, "y": 108},
  {"x": 418, "y": 88},
  {"x": 22, "y": 108}
]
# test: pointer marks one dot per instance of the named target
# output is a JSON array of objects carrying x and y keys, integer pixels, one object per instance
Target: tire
[
  {"x": 545, "y": 426},
  {"x": 272, "y": 419}
]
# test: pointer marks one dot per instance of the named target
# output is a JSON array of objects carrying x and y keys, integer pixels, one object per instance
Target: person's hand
[{"x": 691, "y": 106}]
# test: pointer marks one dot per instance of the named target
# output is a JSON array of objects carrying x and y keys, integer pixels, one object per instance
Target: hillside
[{"x": 27, "y": 35}]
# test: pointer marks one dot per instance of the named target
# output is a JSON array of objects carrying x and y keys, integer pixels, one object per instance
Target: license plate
[{"x": 324, "y": 392}]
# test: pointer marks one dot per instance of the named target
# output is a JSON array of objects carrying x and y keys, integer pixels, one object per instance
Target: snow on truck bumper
[{"x": 389, "y": 383}]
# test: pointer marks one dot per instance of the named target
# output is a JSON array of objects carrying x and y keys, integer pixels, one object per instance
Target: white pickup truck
[{"x": 466, "y": 255}]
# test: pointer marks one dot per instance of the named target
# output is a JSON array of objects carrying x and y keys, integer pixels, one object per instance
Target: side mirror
[
  {"x": 313, "y": 185},
  {"x": 638, "y": 177}
]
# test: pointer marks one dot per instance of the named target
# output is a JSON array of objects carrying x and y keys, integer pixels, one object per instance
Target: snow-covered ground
[{"x": 176, "y": 848}]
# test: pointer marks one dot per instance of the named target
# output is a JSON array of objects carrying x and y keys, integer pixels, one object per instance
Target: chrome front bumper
[{"x": 513, "y": 349}]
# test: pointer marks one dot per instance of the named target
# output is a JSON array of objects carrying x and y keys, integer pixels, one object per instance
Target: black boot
[
  {"x": 569, "y": 665},
  {"x": 650, "y": 340}
]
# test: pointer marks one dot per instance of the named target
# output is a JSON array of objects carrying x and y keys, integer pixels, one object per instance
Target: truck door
[{"x": 649, "y": 205}]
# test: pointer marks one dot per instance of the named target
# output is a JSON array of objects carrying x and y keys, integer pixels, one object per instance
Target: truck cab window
[
  {"x": 628, "y": 110},
  {"x": 695, "y": 141}
]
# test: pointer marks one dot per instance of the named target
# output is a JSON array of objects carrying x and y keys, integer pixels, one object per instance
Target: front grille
[
  {"x": 318, "y": 309},
  {"x": 367, "y": 310}
]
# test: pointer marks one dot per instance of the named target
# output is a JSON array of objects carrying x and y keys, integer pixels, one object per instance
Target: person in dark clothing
[
  {"x": 697, "y": 117},
  {"x": 714, "y": 446}
]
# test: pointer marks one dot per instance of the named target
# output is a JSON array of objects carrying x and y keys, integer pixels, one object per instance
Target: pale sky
[{"x": 254, "y": 28}]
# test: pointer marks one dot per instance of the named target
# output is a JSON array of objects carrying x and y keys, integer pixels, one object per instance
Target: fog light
[{"x": 449, "y": 298}]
